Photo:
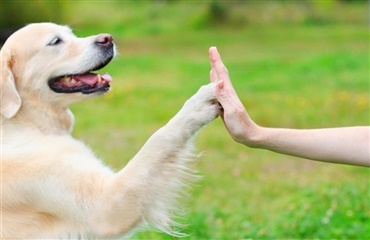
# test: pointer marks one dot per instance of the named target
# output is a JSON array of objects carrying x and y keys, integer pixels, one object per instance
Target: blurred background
[{"x": 295, "y": 64}]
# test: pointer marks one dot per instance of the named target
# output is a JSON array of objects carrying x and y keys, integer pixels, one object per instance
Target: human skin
[{"x": 345, "y": 145}]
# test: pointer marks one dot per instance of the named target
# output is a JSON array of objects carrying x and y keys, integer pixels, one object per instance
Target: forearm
[{"x": 349, "y": 145}]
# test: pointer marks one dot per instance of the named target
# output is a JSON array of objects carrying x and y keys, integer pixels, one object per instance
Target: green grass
[{"x": 301, "y": 75}]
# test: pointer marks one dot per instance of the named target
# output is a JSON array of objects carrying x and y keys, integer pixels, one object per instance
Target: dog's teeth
[
  {"x": 99, "y": 78},
  {"x": 73, "y": 81}
]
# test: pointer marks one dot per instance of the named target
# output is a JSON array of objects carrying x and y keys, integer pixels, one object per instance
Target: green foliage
[
  {"x": 217, "y": 12},
  {"x": 165, "y": 16},
  {"x": 15, "y": 13}
]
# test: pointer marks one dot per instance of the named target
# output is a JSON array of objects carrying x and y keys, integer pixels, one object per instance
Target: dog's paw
[{"x": 203, "y": 107}]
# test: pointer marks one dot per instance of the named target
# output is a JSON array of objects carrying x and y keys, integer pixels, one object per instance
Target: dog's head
[{"x": 48, "y": 61}]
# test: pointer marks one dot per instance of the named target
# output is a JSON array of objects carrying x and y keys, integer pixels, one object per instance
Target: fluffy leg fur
[{"x": 147, "y": 189}]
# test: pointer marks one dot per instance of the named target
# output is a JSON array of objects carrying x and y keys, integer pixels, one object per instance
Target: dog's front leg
[{"x": 146, "y": 190}]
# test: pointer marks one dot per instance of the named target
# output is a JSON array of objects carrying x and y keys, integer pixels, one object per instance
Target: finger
[
  {"x": 227, "y": 97},
  {"x": 213, "y": 76},
  {"x": 222, "y": 95},
  {"x": 218, "y": 66}
]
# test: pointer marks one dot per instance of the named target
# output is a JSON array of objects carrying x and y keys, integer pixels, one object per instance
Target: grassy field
[{"x": 305, "y": 74}]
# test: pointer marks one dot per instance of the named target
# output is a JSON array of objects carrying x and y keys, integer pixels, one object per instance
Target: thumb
[
  {"x": 220, "y": 92},
  {"x": 227, "y": 97},
  {"x": 224, "y": 94}
]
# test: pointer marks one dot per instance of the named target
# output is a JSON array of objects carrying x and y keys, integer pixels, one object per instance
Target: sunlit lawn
[{"x": 299, "y": 76}]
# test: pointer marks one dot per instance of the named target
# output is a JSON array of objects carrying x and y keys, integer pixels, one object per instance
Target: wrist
[{"x": 252, "y": 136}]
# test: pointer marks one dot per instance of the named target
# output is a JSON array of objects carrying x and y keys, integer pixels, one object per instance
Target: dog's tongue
[{"x": 92, "y": 79}]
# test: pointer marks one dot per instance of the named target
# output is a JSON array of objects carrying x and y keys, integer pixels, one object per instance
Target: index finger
[{"x": 218, "y": 67}]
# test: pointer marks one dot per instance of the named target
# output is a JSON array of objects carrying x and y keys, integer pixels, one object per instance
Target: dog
[{"x": 52, "y": 185}]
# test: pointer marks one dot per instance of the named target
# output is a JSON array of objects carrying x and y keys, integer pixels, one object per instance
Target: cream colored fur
[{"x": 52, "y": 185}]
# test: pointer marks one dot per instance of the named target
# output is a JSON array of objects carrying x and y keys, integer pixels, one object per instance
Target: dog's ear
[{"x": 10, "y": 101}]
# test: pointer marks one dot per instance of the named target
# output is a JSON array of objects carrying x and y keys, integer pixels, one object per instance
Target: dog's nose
[{"x": 104, "y": 39}]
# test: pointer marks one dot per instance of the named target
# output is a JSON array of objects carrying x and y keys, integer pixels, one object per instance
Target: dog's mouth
[{"x": 85, "y": 83}]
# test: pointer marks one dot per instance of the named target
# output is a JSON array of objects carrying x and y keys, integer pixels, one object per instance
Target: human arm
[{"x": 347, "y": 145}]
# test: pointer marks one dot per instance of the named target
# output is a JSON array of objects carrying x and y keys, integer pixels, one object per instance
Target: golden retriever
[{"x": 52, "y": 185}]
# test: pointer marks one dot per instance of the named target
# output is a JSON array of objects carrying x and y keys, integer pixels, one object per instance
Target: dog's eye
[{"x": 55, "y": 41}]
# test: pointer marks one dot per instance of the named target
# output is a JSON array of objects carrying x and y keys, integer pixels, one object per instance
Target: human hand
[
  {"x": 236, "y": 119},
  {"x": 346, "y": 145}
]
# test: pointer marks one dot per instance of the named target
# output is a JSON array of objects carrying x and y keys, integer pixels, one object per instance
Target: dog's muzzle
[{"x": 88, "y": 82}]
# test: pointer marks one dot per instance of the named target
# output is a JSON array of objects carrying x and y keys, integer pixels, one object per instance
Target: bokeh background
[{"x": 294, "y": 64}]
